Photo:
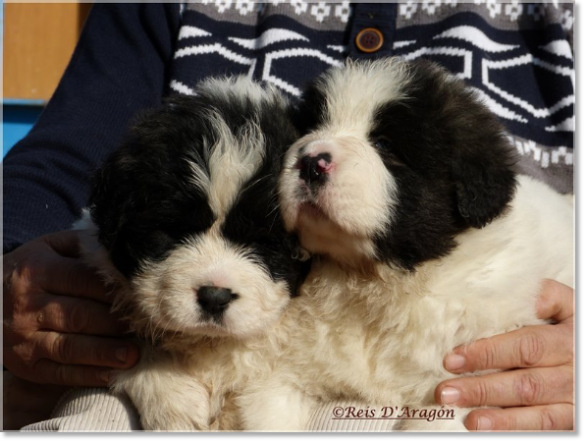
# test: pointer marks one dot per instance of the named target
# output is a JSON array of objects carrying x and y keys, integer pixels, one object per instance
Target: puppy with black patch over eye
[
  {"x": 424, "y": 238},
  {"x": 185, "y": 222}
]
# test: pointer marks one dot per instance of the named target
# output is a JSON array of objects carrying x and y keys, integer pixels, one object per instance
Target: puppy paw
[
  {"x": 169, "y": 418},
  {"x": 167, "y": 400},
  {"x": 275, "y": 406}
]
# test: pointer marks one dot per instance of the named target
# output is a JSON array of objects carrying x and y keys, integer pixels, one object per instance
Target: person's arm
[
  {"x": 119, "y": 67},
  {"x": 536, "y": 390},
  {"x": 57, "y": 326}
]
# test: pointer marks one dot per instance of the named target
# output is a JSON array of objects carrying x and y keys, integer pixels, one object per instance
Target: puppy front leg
[
  {"x": 166, "y": 396},
  {"x": 275, "y": 406}
]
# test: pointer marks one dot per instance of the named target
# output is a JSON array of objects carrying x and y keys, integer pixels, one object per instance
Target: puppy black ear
[
  {"x": 311, "y": 110},
  {"x": 108, "y": 209},
  {"x": 484, "y": 177},
  {"x": 479, "y": 156},
  {"x": 102, "y": 205}
]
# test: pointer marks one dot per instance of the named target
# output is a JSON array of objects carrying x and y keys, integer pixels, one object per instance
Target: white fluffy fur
[
  {"x": 232, "y": 160},
  {"x": 362, "y": 88},
  {"x": 380, "y": 339}
]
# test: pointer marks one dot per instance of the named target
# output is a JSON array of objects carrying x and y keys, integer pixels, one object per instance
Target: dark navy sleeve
[{"x": 120, "y": 66}]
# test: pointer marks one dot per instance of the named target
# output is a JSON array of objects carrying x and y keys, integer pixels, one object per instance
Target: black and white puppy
[
  {"x": 404, "y": 187},
  {"x": 185, "y": 221}
]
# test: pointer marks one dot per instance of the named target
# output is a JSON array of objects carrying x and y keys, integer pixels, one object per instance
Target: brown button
[{"x": 369, "y": 40}]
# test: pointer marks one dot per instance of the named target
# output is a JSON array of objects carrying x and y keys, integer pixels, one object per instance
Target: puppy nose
[
  {"x": 214, "y": 300},
  {"x": 313, "y": 169}
]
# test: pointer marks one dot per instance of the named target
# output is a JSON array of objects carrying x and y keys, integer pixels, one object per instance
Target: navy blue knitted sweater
[{"x": 518, "y": 56}]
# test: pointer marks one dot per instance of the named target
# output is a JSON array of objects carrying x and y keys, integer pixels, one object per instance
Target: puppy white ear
[{"x": 485, "y": 182}]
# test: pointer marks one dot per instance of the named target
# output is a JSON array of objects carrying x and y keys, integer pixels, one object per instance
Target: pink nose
[{"x": 314, "y": 169}]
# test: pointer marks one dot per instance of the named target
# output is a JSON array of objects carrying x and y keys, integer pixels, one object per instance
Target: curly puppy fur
[
  {"x": 185, "y": 221},
  {"x": 404, "y": 188}
]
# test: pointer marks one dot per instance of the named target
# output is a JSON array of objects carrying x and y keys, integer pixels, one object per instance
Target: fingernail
[
  {"x": 104, "y": 376},
  {"x": 121, "y": 354},
  {"x": 484, "y": 423},
  {"x": 454, "y": 361},
  {"x": 449, "y": 396}
]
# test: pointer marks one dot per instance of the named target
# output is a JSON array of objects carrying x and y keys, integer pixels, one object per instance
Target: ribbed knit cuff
[{"x": 90, "y": 409}]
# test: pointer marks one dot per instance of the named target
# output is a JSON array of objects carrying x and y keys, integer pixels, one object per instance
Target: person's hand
[
  {"x": 536, "y": 390},
  {"x": 58, "y": 328}
]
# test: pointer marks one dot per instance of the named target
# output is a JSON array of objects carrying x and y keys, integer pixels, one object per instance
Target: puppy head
[
  {"x": 188, "y": 212},
  {"x": 398, "y": 158}
]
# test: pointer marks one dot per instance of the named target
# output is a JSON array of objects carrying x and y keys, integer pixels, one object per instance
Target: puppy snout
[
  {"x": 214, "y": 300},
  {"x": 314, "y": 169}
]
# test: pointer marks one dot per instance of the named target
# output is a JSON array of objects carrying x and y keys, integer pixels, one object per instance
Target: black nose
[
  {"x": 214, "y": 300},
  {"x": 314, "y": 169}
]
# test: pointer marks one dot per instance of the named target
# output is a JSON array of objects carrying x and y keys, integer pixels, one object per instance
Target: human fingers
[
  {"x": 65, "y": 243},
  {"x": 536, "y": 386},
  {"x": 69, "y": 276},
  {"x": 74, "y": 315},
  {"x": 556, "y": 301},
  {"x": 545, "y": 345},
  {"x": 556, "y": 417},
  {"x": 77, "y": 349}
]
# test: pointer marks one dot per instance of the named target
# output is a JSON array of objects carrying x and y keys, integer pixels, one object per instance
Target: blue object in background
[{"x": 19, "y": 116}]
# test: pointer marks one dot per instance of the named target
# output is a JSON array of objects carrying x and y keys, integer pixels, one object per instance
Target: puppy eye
[{"x": 383, "y": 144}]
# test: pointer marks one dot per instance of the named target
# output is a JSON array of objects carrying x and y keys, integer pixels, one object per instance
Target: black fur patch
[
  {"x": 452, "y": 163},
  {"x": 311, "y": 111},
  {"x": 144, "y": 203}
]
